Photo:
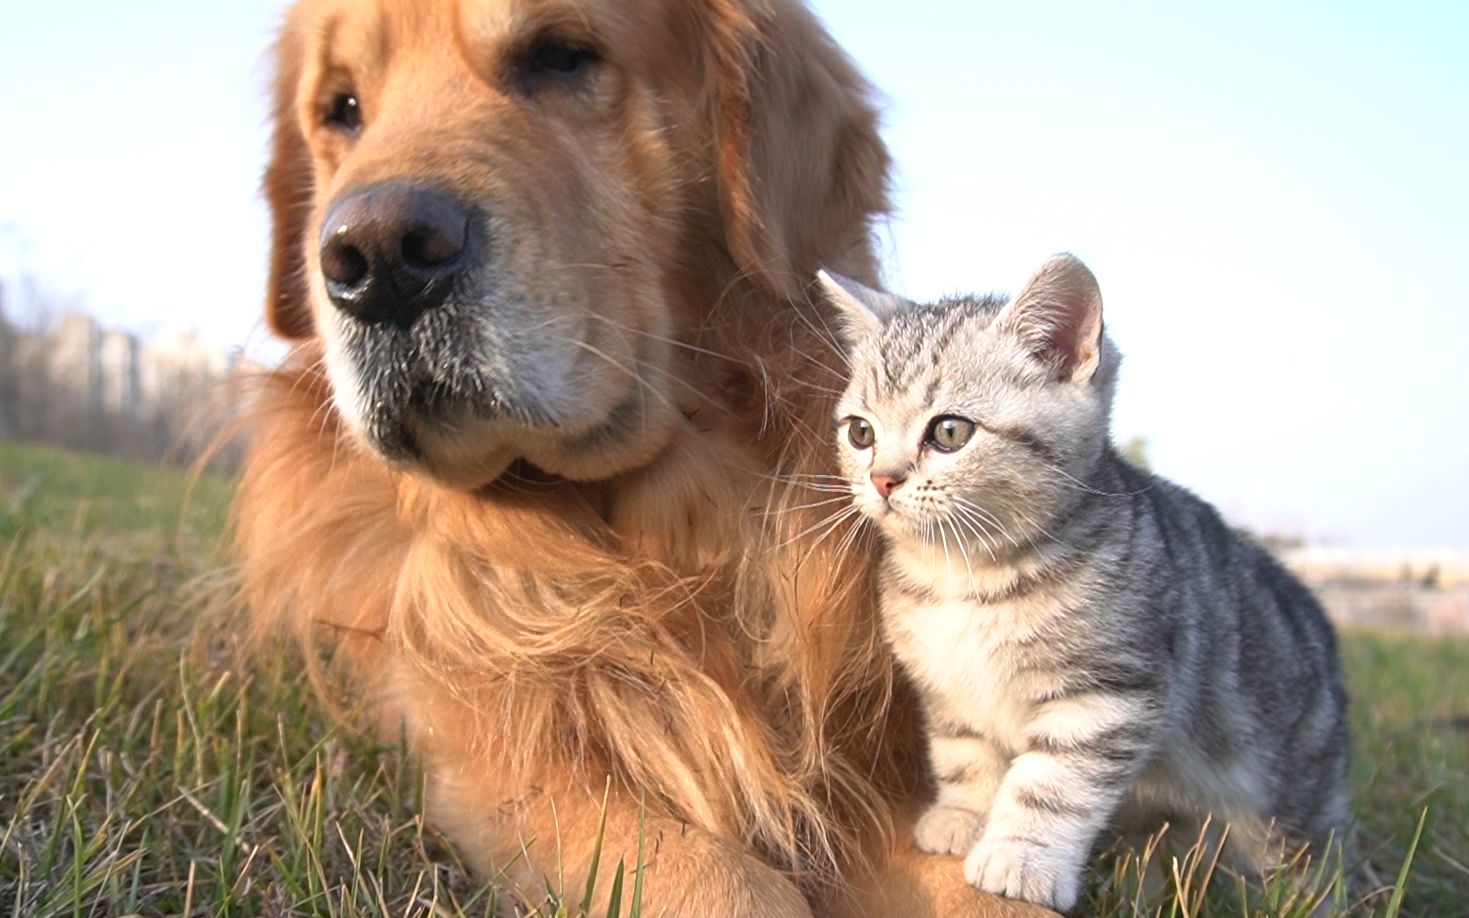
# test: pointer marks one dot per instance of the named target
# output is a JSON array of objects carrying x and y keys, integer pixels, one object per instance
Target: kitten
[{"x": 1096, "y": 649}]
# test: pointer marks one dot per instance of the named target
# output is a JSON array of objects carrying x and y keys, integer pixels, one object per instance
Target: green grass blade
[
  {"x": 636, "y": 909},
  {"x": 1400, "y": 888},
  {"x": 586, "y": 899},
  {"x": 614, "y": 902}
]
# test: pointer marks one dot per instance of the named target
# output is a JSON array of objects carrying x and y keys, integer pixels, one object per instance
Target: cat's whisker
[
  {"x": 821, "y": 489},
  {"x": 1072, "y": 481},
  {"x": 853, "y": 532},
  {"x": 988, "y": 517},
  {"x": 832, "y": 484},
  {"x": 963, "y": 515},
  {"x": 983, "y": 511},
  {"x": 1031, "y": 522},
  {"x": 986, "y": 536},
  {"x": 777, "y": 511},
  {"x": 999, "y": 526},
  {"x": 830, "y": 520},
  {"x": 964, "y": 552},
  {"x": 944, "y": 537},
  {"x": 840, "y": 520}
]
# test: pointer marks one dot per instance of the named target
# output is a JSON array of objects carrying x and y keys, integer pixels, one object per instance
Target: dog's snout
[{"x": 390, "y": 252}]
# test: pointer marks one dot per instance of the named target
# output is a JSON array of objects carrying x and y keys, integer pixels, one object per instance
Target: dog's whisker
[
  {"x": 632, "y": 372},
  {"x": 623, "y": 327}
]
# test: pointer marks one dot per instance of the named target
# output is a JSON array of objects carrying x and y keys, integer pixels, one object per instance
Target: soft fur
[
  {"x": 1096, "y": 650},
  {"x": 658, "y": 616}
]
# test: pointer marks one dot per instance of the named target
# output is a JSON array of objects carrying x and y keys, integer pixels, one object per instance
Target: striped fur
[{"x": 1097, "y": 650}]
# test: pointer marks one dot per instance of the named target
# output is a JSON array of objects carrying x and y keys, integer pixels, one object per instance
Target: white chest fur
[{"x": 962, "y": 654}]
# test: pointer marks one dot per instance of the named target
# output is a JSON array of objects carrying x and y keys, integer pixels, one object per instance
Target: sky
[{"x": 1275, "y": 198}]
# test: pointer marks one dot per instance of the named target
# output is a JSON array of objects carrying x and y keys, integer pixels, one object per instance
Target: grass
[{"x": 143, "y": 771}]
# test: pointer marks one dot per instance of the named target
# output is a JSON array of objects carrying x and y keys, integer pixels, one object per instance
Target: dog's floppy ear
[
  {"x": 801, "y": 167},
  {"x": 288, "y": 190}
]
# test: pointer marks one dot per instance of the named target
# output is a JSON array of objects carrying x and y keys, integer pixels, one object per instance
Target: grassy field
[{"x": 142, "y": 770}]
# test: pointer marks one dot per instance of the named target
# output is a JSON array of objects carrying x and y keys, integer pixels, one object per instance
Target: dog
[{"x": 548, "y": 473}]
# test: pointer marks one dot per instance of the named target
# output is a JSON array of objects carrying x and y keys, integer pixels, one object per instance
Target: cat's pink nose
[{"x": 886, "y": 484}]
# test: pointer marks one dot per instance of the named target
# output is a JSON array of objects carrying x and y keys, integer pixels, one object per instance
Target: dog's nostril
[
  {"x": 430, "y": 247},
  {"x": 343, "y": 264},
  {"x": 391, "y": 252}
]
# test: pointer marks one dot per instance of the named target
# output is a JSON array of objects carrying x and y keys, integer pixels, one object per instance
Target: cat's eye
[
  {"x": 948, "y": 433},
  {"x": 860, "y": 433}
]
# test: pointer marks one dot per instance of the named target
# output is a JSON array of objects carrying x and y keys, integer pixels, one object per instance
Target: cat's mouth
[{"x": 889, "y": 517}]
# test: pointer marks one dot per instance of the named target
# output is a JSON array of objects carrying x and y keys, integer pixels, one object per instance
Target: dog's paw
[
  {"x": 947, "y": 830},
  {"x": 1018, "y": 869}
]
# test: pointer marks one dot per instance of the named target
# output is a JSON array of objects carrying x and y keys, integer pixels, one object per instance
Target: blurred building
[
  {"x": 79, "y": 385},
  {"x": 1423, "y": 590}
]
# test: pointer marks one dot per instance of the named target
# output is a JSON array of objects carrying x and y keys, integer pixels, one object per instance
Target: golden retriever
[{"x": 549, "y": 472}]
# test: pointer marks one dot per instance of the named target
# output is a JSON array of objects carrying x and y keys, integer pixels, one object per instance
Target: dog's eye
[
  {"x": 344, "y": 113},
  {"x": 551, "y": 57}
]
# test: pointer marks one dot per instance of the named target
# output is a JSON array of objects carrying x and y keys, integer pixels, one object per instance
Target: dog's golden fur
[{"x": 671, "y": 622}]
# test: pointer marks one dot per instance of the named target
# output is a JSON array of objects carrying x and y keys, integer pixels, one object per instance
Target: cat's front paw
[
  {"x": 1018, "y": 869},
  {"x": 947, "y": 830}
]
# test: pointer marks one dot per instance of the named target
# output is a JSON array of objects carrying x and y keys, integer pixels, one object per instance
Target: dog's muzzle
[{"x": 390, "y": 252}]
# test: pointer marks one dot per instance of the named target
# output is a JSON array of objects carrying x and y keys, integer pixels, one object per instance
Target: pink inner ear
[
  {"x": 1060, "y": 314},
  {"x": 1074, "y": 348}
]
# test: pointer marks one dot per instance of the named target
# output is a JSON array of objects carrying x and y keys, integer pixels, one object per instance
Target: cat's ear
[
  {"x": 863, "y": 310},
  {"x": 1059, "y": 317}
]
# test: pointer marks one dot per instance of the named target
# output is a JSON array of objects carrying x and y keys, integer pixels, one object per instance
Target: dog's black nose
[{"x": 391, "y": 252}]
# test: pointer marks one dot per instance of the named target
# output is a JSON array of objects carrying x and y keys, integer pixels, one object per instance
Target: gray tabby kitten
[{"x": 1096, "y": 649}]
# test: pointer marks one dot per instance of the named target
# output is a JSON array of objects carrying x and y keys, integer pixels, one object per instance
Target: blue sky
[{"x": 1274, "y": 197}]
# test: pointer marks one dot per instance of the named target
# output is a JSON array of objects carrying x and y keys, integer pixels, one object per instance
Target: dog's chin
[
  {"x": 462, "y": 458},
  {"x": 460, "y": 450}
]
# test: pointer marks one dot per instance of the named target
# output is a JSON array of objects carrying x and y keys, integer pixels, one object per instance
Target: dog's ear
[
  {"x": 288, "y": 191},
  {"x": 801, "y": 168}
]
